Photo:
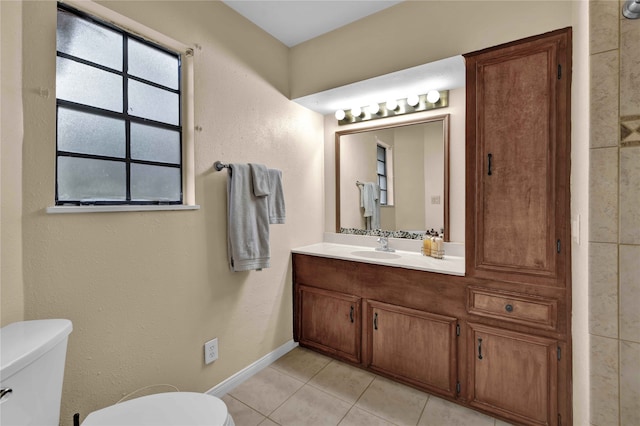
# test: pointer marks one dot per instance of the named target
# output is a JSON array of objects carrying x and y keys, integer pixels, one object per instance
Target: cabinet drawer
[{"x": 534, "y": 311}]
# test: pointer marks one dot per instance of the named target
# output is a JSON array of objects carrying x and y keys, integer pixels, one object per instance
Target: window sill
[{"x": 110, "y": 209}]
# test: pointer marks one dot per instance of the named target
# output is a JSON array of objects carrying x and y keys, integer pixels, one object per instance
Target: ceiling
[{"x": 296, "y": 21}]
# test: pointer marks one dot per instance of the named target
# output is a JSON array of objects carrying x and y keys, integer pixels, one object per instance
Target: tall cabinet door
[
  {"x": 518, "y": 160},
  {"x": 330, "y": 322},
  {"x": 415, "y": 346},
  {"x": 513, "y": 374}
]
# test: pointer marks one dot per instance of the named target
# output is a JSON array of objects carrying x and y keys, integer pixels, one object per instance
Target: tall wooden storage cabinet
[{"x": 518, "y": 222}]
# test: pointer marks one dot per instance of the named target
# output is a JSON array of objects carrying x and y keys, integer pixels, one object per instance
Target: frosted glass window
[
  {"x": 155, "y": 144},
  {"x": 382, "y": 182},
  {"x": 89, "y": 180},
  {"x": 380, "y": 167},
  {"x": 84, "y": 39},
  {"x": 85, "y": 133},
  {"x": 153, "y": 64},
  {"x": 87, "y": 85},
  {"x": 155, "y": 183},
  {"x": 156, "y": 104},
  {"x": 118, "y": 98}
]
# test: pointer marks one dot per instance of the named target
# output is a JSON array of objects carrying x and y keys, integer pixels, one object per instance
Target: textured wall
[
  {"x": 614, "y": 232},
  {"x": 145, "y": 290},
  {"x": 12, "y": 300},
  {"x": 414, "y": 33}
]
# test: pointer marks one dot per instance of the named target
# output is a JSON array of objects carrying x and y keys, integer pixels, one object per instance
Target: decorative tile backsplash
[{"x": 630, "y": 130}]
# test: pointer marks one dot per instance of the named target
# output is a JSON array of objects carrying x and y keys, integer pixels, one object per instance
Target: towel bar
[{"x": 219, "y": 165}]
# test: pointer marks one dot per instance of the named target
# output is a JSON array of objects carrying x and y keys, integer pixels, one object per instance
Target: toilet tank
[{"x": 32, "y": 357}]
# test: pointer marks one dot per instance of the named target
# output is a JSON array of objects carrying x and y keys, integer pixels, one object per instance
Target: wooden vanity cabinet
[
  {"x": 330, "y": 322},
  {"x": 417, "y": 347},
  {"x": 513, "y": 375},
  {"x": 518, "y": 160}
]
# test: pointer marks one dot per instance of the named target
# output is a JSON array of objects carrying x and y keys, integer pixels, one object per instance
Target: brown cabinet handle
[
  {"x": 351, "y": 314},
  {"x": 479, "y": 348},
  {"x": 375, "y": 321},
  {"x": 489, "y": 156}
]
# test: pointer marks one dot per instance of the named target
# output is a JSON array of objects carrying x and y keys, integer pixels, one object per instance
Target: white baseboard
[{"x": 228, "y": 384}]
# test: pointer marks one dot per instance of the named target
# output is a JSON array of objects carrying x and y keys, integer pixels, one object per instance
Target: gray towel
[
  {"x": 248, "y": 222},
  {"x": 260, "y": 177},
  {"x": 370, "y": 201},
  {"x": 276, "y": 197}
]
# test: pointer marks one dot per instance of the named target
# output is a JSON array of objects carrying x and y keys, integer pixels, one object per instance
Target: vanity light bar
[{"x": 394, "y": 107}]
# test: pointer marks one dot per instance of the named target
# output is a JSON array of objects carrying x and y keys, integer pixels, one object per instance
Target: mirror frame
[{"x": 445, "y": 130}]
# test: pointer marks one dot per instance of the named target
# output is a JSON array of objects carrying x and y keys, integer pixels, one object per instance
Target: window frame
[{"x": 185, "y": 53}]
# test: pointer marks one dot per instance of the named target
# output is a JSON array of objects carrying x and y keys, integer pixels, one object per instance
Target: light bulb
[
  {"x": 413, "y": 100},
  {"x": 392, "y": 105},
  {"x": 433, "y": 96},
  {"x": 340, "y": 115},
  {"x": 374, "y": 109},
  {"x": 356, "y": 111}
]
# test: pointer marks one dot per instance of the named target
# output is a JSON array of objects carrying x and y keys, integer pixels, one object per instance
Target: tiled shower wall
[{"x": 614, "y": 216}]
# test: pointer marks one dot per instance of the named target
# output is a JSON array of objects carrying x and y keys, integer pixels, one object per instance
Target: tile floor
[{"x": 304, "y": 388}]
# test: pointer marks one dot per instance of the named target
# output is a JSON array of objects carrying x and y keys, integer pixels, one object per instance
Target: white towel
[
  {"x": 248, "y": 222},
  {"x": 370, "y": 201},
  {"x": 276, "y": 197},
  {"x": 260, "y": 177}
]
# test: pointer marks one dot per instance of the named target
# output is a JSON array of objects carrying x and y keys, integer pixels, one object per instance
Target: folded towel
[
  {"x": 248, "y": 222},
  {"x": 276, "y": 197},
  {"x": 260, "y": 176}
]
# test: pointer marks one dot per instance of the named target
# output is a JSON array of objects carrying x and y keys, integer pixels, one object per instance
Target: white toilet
[
  {"x": 170, "y": 409},
  {"x": 32, "y": 368}
]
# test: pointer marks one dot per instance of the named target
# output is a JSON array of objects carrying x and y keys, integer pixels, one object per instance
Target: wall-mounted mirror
[{"x": 410, "y": 164}]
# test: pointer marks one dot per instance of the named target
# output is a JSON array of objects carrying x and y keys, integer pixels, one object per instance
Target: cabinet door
[
  {"x": 513, "y": 375},
  {"x": 414, "y": 346},
  {"x": 330, "y": 322},
  {"x": 518, "y": 159}
]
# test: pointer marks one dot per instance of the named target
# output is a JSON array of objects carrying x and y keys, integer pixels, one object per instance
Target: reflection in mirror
[{"x": 409, "y": 163}]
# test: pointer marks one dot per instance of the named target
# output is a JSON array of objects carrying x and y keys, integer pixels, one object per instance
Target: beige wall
[
  {"x": 11, "y": 287},
  {"x": 414, "y": 33},
  {"x": 145, "y": 290},
  {"x": 408, "y": 176},
  {"x": 433, "y": 175},
  {"x": 614, "y": 231}
]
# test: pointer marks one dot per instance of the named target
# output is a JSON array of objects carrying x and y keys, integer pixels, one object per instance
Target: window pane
[
  {"x": 156, "y": 104},
  {"x": 86, "y": 133},
  {"x": 154, "y": 183},
  {"x": 380, "y": 168},
  {"x": 382, "y": 181},
  {"x": 381, "y": 153},
  {"x": 155, "y": 144},
  {"x": 383, "y": 197},
  {"x": 88, "y": 85},
  {"x": 91, "y": 180},
  {"x": 153, "y": 64},
  {"x": 79, "y": 37}
]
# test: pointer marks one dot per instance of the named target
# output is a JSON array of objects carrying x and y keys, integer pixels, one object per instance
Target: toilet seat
[{"x": 170, "y": 409}]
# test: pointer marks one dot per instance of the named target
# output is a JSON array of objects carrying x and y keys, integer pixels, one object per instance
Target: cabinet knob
[{"x": 508, "y": 308}]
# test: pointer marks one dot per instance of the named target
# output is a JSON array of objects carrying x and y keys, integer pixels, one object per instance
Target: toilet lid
[{"x": 170, "y": 408}]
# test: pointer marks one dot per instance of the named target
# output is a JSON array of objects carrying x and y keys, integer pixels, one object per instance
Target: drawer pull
[
  {"x": 508, "y": 308},
  {"x": 351, "y": 314},
  {"x": 479, "y": 348},
  {"x": 489, "y": 156},
  {"x": 375, "y": 321}
]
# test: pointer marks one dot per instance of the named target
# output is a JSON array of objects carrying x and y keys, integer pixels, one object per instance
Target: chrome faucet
[{"x": 384, "y": 244}]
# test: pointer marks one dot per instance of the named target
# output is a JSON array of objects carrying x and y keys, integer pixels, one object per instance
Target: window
[
  {"x": 119, "y": 116},
  {"x": 382, "y": 173}
]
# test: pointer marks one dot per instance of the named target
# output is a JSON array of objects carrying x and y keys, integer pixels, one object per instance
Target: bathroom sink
[{"x": 376, "y": 254}]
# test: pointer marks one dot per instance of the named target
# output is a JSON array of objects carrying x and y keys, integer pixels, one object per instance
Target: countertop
[{"x": 450, "y": 265}]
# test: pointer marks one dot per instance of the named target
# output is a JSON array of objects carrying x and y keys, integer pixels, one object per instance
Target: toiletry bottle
[
  {"x": 426, "y": 245},
  {"x": 437, "y": 247}
]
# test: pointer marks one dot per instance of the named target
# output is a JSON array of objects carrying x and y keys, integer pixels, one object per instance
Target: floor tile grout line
[{"x": 424, "y": 408}]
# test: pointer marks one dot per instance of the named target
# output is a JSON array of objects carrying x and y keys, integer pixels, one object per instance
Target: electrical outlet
[{"x": 211, "y": 351}]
